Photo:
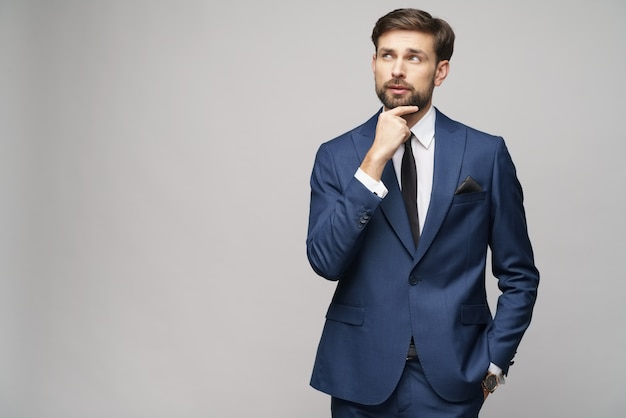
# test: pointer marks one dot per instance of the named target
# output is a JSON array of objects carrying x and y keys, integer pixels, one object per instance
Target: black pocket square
[{"x": 469, "y": 185}]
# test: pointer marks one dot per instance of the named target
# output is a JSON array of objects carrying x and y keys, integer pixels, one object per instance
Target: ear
[
  {"x": 443, "y": 68},
  {"x": 374, "y": 63}
]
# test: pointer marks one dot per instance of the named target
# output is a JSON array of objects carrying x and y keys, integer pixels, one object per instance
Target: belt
[{"x": 411, "y": 355}]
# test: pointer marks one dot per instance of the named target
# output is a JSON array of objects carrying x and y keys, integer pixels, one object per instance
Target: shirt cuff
[{"x": 376, "y": 187}]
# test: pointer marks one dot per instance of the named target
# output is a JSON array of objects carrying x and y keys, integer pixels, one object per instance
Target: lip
[{"x": 397, "y": 89}]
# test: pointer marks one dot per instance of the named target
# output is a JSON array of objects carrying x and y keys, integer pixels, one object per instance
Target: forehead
[{"x": 403, "y": 40}]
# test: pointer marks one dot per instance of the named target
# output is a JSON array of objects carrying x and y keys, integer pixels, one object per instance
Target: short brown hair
[{"x": 421, "y": 21}]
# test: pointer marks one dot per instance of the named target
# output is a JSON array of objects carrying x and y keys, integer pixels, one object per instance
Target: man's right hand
[{"x": 391, "y": 132}]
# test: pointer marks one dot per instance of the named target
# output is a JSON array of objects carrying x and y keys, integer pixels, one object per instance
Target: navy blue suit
[{"x": 389, "y": 291}]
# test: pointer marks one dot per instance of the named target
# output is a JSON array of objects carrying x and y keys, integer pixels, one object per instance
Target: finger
[{"x": 403, "y": 110}]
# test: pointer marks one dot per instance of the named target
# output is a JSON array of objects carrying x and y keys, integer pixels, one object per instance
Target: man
[{"x": 409, "y": 332}]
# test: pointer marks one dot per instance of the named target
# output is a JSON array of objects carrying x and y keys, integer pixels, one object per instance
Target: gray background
[{"x": 148, "y": 270}]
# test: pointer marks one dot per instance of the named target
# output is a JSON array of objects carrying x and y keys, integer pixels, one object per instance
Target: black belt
[{"x": 412, "y": 353}]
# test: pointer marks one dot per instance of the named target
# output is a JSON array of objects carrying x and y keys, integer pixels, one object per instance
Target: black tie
[{"x": 408, "y": 172}]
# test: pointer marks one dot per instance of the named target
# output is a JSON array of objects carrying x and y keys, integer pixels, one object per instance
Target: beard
[{"x": 420, "y": 99}]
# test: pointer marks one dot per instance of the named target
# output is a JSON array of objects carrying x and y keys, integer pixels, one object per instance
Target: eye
[
  {"x": 414, "y": 58},
  {"x": 386, "y": 56}
]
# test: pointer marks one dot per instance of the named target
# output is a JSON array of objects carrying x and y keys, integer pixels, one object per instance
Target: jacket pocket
[
  {"x": 352, "y": 315},
  {"x": 468, "y": 197},
  {"x": 475, "y": 314}
]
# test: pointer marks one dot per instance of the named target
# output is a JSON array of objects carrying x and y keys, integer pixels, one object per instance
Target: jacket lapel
[
  {"x": 450, "y": 142},
  {"x": 394, "y": 210}
]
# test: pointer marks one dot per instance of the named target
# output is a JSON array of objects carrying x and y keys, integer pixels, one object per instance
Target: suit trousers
[{"x": 412, "y": 398}]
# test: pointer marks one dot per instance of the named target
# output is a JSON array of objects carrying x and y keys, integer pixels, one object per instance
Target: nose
[{"x": 398, "y": 70}]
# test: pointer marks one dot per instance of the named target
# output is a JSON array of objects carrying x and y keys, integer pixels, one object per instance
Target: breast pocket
[{"x": 469, "y": 197}]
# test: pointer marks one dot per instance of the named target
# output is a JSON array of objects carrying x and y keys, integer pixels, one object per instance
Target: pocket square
[{"x": 469, "y": 185}]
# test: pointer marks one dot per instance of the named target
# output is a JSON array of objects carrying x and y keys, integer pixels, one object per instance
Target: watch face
[{"x": 491, "y": 382}]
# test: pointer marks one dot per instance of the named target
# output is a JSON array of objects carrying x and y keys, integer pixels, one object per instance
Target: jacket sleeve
[
  {"x": 340, "y": 209},
  {"x": 512, "y": 262}
]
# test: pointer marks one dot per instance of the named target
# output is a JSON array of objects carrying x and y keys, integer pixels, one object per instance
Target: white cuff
[{"x": 376, "y": 187}]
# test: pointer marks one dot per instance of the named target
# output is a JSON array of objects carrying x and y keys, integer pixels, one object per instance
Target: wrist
[
  {"x": 491, "y": 382},
  {"x": 373, "y": 166}
]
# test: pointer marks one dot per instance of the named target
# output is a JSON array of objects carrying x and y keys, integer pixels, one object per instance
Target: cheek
[
  {"x": 420, "y": 80},
  {"x": 428, "y": 78},
  {"x": 379, "y": 77}
]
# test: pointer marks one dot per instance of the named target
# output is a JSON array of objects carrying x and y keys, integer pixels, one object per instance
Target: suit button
[{"x": 413, "y": 280}]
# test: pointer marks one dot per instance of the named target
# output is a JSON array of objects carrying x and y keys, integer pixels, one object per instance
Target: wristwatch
[{"x": 490, "y": 382}]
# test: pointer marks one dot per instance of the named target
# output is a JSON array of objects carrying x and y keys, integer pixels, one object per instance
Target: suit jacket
[{"x": 389, "y": 291}]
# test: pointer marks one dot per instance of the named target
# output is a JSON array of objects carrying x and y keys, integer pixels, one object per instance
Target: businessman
[{"x": 403, "y": 210}]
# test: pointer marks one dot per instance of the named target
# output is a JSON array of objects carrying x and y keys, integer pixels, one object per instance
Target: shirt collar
[{"x": 424, "y": 130}]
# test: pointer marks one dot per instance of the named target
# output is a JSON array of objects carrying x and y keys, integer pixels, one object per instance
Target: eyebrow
[
  {"x": 416, "y": 51},
  {"x": 408, "y": 51}
]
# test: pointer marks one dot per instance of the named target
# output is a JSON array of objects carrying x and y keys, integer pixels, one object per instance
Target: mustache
[{"x": 397, "y": 82}]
